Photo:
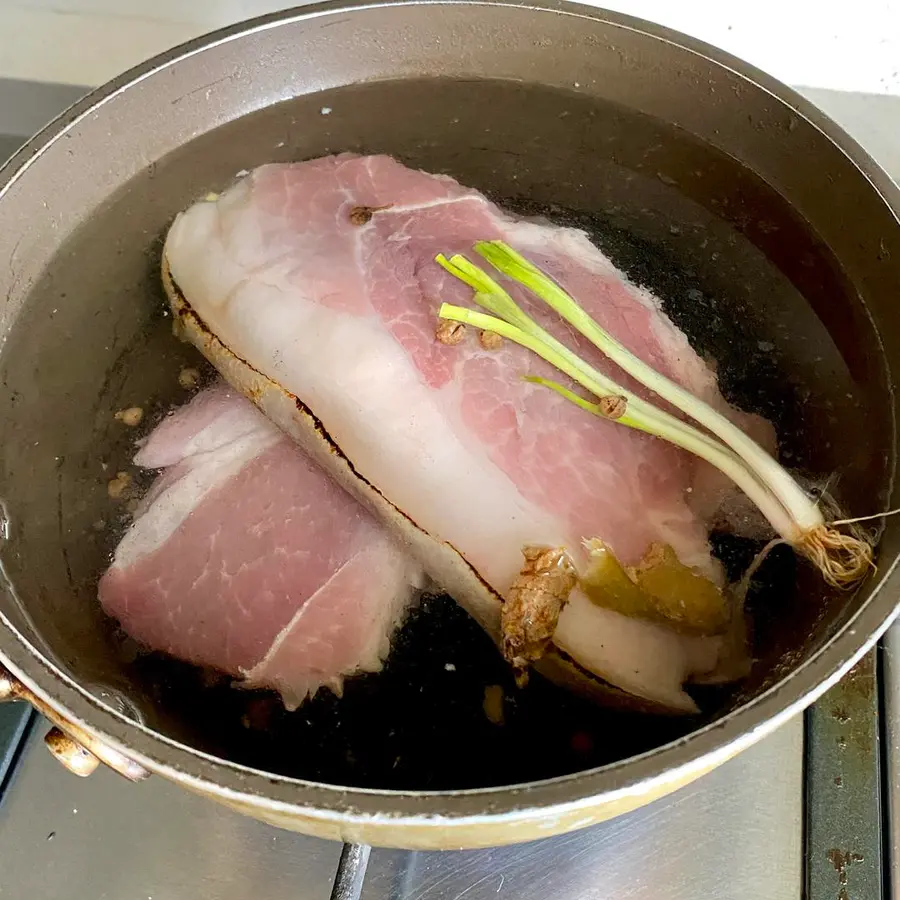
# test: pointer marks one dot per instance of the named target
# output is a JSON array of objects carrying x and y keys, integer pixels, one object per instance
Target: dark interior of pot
[{"x": 739, "y": 270}]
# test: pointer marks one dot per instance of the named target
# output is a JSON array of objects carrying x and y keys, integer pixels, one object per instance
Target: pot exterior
[{"x": 434, "y": 834}]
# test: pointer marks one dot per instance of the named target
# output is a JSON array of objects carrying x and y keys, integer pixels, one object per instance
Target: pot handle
[{"x": 79, "y": 751}]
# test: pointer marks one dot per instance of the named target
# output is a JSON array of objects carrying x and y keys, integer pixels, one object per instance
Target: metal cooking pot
[{"x": 783, "y": 233}]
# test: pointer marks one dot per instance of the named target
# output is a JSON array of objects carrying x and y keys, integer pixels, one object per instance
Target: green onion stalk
[{"x": 842, "y": 558}]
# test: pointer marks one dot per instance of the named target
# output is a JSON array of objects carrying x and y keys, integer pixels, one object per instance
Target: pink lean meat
[
  {"x": 244, "y": 556},
  {"x": 317, "y": 281}
]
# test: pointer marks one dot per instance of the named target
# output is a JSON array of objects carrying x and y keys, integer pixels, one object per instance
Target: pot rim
[{"x": 645, "y": 774}]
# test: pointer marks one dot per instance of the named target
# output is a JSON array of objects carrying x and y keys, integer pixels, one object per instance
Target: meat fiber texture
[
  {"x": 313, "y": 288},
  {"x": 244, "y": 556}
]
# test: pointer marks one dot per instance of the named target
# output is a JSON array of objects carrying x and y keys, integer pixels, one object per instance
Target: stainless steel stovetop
[{"x": 805, "y": 813}]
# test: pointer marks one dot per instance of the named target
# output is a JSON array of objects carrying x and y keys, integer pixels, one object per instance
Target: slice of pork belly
[{"x": 244, "y": 556}]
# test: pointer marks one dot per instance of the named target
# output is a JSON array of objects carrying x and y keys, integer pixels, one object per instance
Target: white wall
[{"x": 854, "y": 47}]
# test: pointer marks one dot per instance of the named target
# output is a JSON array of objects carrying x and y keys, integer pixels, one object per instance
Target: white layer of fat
[
  {"x": 641, "y": 657},
  {"x": 363, "y": 387},
  {"x": 232, "y": 422}
]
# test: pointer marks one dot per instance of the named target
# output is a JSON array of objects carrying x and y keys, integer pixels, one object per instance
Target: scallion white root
[{"x": 842, "y": 558}]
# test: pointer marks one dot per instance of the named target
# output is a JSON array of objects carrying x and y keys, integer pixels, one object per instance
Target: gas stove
[{"x": 805, "y": 813}]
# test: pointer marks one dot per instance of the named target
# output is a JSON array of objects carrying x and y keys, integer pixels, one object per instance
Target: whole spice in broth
[
  {"x": 490, "y": 340},
  {"x": 449, "y": 333},
  {"x": 131, "y": 417},
  {"x": 189, "y": 378},
  {"x": 119, "y": 488},
  {"x": 362, "y": 215}
]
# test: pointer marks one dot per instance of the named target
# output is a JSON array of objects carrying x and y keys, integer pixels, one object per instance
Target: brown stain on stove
[
  {"x": 840, "y": 714},
  {"x": 855, "y": 734},
  {"x": 842, "y": 860}
]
